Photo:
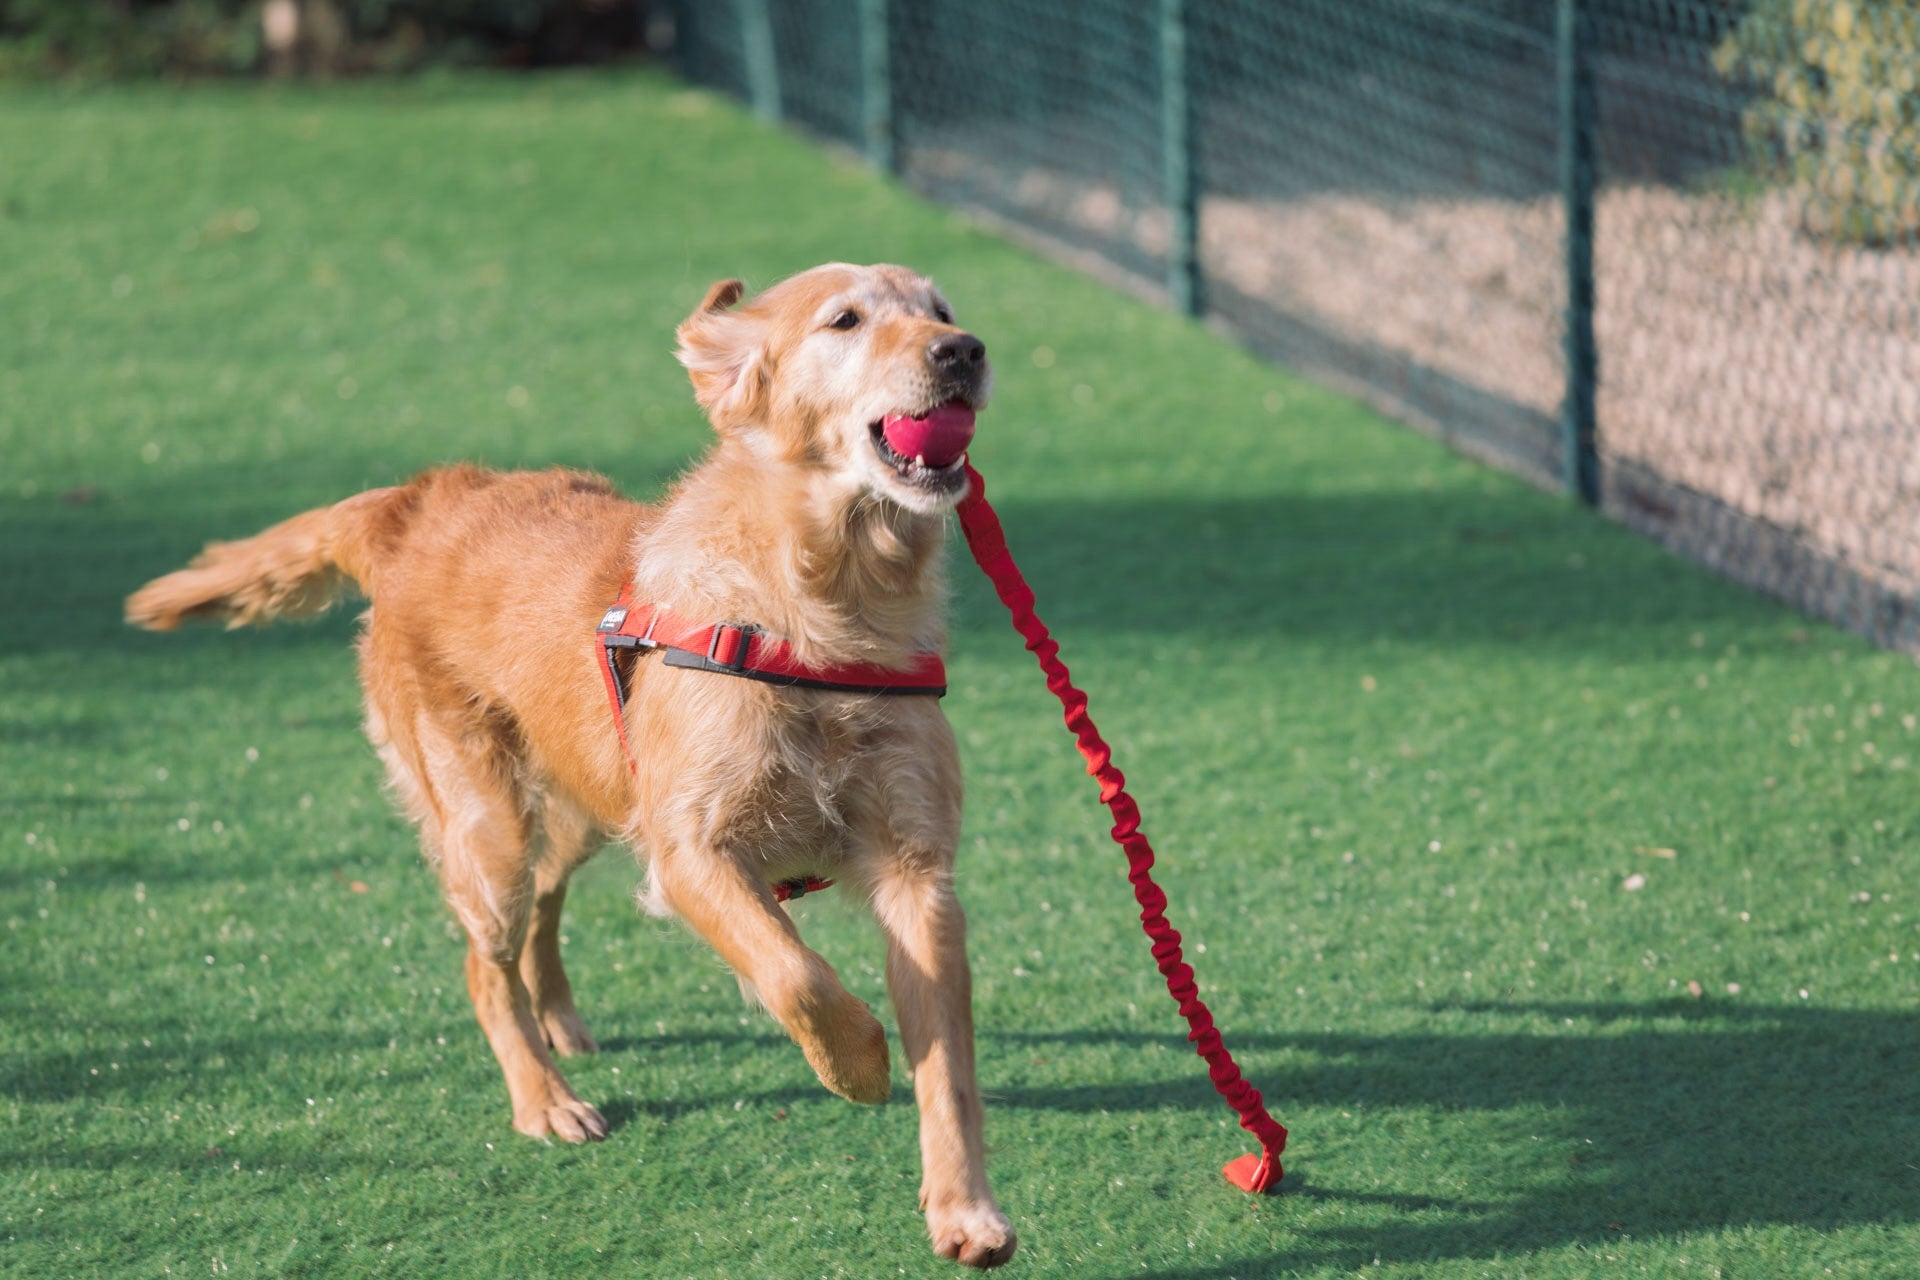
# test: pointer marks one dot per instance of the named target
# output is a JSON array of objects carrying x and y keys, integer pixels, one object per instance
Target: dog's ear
[
  {"x": 725, "y": 355},
  {"x": 721, "y": 295}
]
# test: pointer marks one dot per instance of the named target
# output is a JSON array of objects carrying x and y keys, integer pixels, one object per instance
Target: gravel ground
[{"x": 1738, "y": 357}]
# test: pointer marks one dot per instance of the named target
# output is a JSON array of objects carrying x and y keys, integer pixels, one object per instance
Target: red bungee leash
[{"x": 989, "y": 546}]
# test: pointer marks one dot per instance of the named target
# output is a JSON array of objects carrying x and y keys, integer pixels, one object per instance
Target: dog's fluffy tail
[{"x": 293, "y": 570}]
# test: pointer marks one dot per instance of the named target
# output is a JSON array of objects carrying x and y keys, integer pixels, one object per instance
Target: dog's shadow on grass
[
  {"x": 1665, "y": 1119},
  {"x": 1588, "y": 1123}
]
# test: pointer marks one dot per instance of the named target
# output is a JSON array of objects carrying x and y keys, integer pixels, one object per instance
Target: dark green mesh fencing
[
  {"x": 1380, "y": 206},
  {"x": 1671, "y": 245}
]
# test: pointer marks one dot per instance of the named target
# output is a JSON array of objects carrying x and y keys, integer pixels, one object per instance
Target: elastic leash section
[{"x": 989, "y": 546}]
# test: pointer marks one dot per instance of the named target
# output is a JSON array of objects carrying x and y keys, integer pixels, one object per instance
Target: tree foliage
[
  {"x": 98, "y": 38},
  {"x": 1838, "y": 109}
]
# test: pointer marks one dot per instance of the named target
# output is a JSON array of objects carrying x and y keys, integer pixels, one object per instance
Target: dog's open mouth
[{"x": 927, "y": 451}]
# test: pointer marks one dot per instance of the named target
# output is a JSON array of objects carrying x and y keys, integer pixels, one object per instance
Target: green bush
[
  {"x": 100, "y": 38},
  {"x": 95, "y": 37},
  {"x": 1838, "y": 111}
]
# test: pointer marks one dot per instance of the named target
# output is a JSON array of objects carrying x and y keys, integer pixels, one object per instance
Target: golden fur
[{"x": 484, "y": 700}]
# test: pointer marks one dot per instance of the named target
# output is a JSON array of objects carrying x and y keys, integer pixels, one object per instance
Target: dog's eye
[
  {"x": 845, "y": 320},
  {"x": 943, "y": 315}
]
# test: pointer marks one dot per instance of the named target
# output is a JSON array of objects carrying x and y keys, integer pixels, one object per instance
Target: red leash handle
[{"x": 989, "y": 546}]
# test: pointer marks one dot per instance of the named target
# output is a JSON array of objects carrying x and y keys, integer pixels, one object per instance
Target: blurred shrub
[
  {"x": 95, "y": 38},
  {"x": 1838, "y": 111}
]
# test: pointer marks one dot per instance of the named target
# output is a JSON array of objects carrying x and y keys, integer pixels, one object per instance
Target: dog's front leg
[
  {"x": 932, "y": 992},
  {"x": 739, "y": 918}
]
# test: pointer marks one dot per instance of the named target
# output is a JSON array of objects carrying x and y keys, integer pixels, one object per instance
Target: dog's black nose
[{"x": 956, "y": 352}]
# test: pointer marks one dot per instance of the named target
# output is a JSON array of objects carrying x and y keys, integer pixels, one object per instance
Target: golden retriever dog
[{"x": 817, "y": 517}]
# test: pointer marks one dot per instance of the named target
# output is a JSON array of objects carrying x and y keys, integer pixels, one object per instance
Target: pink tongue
[{"x": 938, "y": 438}]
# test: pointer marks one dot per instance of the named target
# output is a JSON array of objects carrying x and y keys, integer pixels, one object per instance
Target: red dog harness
[{"x": 736, "y": 649}]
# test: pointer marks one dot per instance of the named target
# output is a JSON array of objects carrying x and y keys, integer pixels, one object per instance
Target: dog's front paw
[
  {"x": 851, "y": 1059},
  {"x": 568, "y": 1119},
  {"x": 975, "y": 1233}
]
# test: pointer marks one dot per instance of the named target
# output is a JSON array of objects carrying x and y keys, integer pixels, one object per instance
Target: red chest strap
[{"x": 733, "y": 649}]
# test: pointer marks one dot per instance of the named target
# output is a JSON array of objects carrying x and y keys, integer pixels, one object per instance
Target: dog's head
[{"x": 858, "y": 372}]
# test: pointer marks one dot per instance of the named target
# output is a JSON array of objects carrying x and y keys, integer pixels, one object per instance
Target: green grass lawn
[{"x": 1407, "y": 735}]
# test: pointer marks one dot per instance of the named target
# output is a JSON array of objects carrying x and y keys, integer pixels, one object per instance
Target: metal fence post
[
  {"x": 1176, "y": 162},
  {"x": 876, "y": 79},
  {"x": 763, "y": 68},
  {"x": 1577, "y": 126}
]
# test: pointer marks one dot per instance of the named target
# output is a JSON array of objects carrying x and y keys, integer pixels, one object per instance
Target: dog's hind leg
[
  {"x": 568, "y": 838},
  {"x": 490, "y": 886},
  {"x": 457, "y": 775}
]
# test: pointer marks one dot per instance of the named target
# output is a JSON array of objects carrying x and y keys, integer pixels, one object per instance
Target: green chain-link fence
[{"x": 1665, "y": 253}]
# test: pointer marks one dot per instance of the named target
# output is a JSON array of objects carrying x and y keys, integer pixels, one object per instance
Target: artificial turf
[{"x": 1559, "y": 896}]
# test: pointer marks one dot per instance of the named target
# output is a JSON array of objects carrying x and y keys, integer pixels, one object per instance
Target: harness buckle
[
  {"x": 729, "y": 645},
  {"x": 611, "y": 637}
]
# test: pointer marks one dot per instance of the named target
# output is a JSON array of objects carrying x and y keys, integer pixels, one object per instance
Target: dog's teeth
[{"x": 919, "y": 459}]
